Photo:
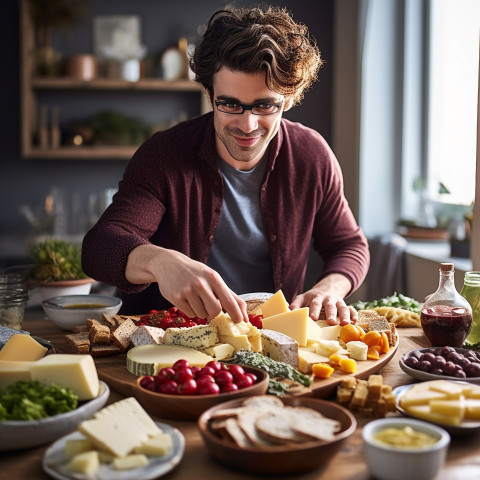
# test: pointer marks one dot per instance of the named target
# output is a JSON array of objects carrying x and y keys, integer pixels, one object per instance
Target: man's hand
[
  {"x": 192, "y": 286},
  {"x": 328, "y": 295}
]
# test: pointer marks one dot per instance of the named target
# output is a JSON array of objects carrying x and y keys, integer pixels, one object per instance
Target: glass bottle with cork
[
  {"x": 471, "y": 291},
  {"x": 446, "y": 316}
]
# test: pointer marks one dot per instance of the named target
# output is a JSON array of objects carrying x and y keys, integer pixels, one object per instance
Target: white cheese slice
[
  {"x": 85, "y": 462},
  {"x": 13, "y": 371},
  {"x": 306, "y": 359},
  {"x": 221, "y": 351},
  {"x": 130, "y": 462},
  {"x": 149, "y": 359},
  {"x": 120, "y": 427}
]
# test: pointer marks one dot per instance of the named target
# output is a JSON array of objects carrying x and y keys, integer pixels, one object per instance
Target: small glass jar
[
  {"x": 13, "y": 300},
  {"x": 471, "y": 291}
]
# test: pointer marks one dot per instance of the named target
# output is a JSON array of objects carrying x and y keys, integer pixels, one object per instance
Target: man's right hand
[{"x": 192, "y": 286}]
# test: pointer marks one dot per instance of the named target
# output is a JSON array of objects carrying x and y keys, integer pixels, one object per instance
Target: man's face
[{"x": 242, "y": 140}]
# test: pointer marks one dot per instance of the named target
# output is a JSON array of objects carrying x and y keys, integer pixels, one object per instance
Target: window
[{"x": 452, "y": 91}]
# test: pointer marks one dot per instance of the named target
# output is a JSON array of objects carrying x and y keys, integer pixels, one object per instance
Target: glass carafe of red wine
[{"x": 446, "y": 316}]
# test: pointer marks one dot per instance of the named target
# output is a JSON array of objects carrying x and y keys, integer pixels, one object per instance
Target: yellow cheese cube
[
  {"x": 130, "y": 462},
  {"x": 256, "y": 342},
  {"x": 22, "y": 348},
  {"x": 420, "y": 394},
  {"x": 424, "y": 412},
  {"x": 293, "y": 323},
  {"x": 455, "y": 408},
  {"x": 273, "y": 306},
  {"x": 14, "y": 371},
  {"x": 85, "y": 462},
  {"x": 307, "y": 359},
  {"x": 77, "y": 372},
  {"x": 474, "y": 391},
  {"x": 220, "y": 351},
  {"x": 472, "y": 409},
  {"x": 159, "y": 445}
]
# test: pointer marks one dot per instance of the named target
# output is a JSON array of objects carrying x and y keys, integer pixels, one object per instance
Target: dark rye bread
[
  {"x": 99, "y": 334},
  {"x": 77, "y": 342}
]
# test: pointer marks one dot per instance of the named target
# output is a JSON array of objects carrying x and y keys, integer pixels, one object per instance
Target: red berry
[
  {"x": 243, "y": 382},
  {"x": 206, "y": 371},
  {"x": 214, "y": 364},
  {"x": 183, "y": 374},
  {"x": 169, "y": 387},
  {"x": 189, "y": 387},
  {"x": 181, "y": 364},
  {"x": 223, "y": 377},
  {"x": 208, "y": 389},
  {"x": 229, "y": 387}
]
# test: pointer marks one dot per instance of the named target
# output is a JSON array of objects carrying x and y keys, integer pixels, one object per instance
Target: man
[{"x": 228, "y": 202}]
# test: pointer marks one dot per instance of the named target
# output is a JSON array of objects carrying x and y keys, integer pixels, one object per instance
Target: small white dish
[
  {"x": 20, "y": 434},
  {"x": 54, "y": 463},
  {"x": 40, "y": 291},
  {"x": 393, "y": 463},
  {"x": 68, "y": 311}
]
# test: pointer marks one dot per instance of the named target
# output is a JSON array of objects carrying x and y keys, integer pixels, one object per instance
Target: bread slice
[
  {"x": 237, "y": 434},
  {"x": 146, "y": 335},
  {"x": 247, "y": 419},
  {"x": 78, "y": 342},
  {"x": 121, "y": 336},
  {"x": 104, "y": 350},
  {"x": 263, "y": 402},
  {"x": 99, "y": 334}
]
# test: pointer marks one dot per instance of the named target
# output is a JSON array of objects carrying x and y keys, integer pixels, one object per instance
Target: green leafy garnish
[
  {"x": 29, "y": 400},
  {"x": 396, "y": 300},
  {"x": 276, "y": 370}
]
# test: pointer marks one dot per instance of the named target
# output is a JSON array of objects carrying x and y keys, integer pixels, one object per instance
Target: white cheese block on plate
[
  {"x": 130, "y": 462},
  {"x": 149, "y": 359},
  {"x": 13, "y": 371},
  {"x": 74, "y": 371},
  {"x": 279, "y": 347},
  {"x": 158, "y": 445},
  {"x": 327, "y": 347},
  {"x": 85, "y": 462},
  {"x": 200, "y": 336},
  {"x": 120, "y": 427}
]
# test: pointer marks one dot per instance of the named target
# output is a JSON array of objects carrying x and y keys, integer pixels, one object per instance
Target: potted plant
[{"x": 56, "y": 270}]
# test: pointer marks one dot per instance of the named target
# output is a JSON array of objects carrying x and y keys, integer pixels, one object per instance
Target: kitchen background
[{"x": 45, "y": 189}]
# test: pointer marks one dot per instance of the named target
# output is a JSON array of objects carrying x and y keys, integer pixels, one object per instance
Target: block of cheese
[
  {"x": 158, "y": 445},
  {"x": 146, "y": 335},
  {"x": 239, "y": 342},
  {"x": 77, "y": 372},
  {"x": 329, "y": 332},
  {"x": 120, "y": 427},
  {"x": 149, "y": 359},
  {"x": 12, "y": 371},
  {"x": 130, "y": 462},
  {"x": 75, "y": 446},
  {"x": 226, "y": 326},
  {"x": 454, "y": 408},
  {"x": 85, "y": 462},
  {"x": 314, "y": 332},
  {"x": 255, "y": 341},
  {"x": 22, "y": 348},
  {"x": 293, "y": 323},
  {"x": 279, "y": 347},
  {"x": 357, "y": 350},
  {"x": 306, "y": 359},
  {"x": 200, "y": 336},
  {"x": 273, "y": 306},
  {"x": 424, "y": 412},
  {"x": 221, "y": 351},
  {"x": 327, "y": 347},
  {"x": 472, "y": 409},
  {"x": 450, "y": 389},
  {"x": 420, "y": 394}
]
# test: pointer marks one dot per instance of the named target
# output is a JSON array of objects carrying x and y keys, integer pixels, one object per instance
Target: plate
[
  {"x": 466, "y": 427},
  {"x": 54, "y": 462},
  {"x": 18, "y": 434},
  {"x": 281, "y": 459},
  {"x": 419, "y": 375},
  {"x": 264, "y": 296}
]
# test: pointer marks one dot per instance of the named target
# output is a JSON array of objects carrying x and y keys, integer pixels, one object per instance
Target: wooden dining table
[{"x": 463, "y": 458}]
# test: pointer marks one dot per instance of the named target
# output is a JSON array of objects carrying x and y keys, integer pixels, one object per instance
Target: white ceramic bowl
[
  {"x": 391, "y": 463},
  {"x": 68, "y": 311},
  {"x": 40, "y": 291},
  {"x": 18, "y": 434}
]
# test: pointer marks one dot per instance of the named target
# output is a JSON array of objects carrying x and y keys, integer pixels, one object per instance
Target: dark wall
[{"x": 28, "y": 181}]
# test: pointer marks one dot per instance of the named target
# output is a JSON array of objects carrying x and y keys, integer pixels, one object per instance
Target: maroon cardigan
[{"x": 171, "y": 195}]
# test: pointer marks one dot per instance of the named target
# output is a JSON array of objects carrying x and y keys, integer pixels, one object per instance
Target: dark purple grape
[
  {"x": 416, "y": 354},
  {"x": 438, "y": 362},
  {"x": 411, "y": 362},
  {"x": 424, "y": 365},
  {"x": 471, "y": 356},
  {"x": 428, "y": 356},
  {"x": 449, "y": 369},
  {"x": 464, "y": 362},
  {"x": 444, "y": 351},
  {"x": 437, "y": 371},
  {"x": 454, "y": 357},
  {"x": 460, "y": 374},
  {"x": 473, "y": 370}
]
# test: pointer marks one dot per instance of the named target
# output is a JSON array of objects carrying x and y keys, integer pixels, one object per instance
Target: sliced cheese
[
  {"x": 77, "y": 372},
  {"x": 226, "y": 326},
  {"x": 239, "y": 342},
  {"x": 450, "y": 389},
  {"x": 420, "y": 394},
  {"x": 256, "y": 342},
  {"x": 329, "y": 332},
  {"x": 293, "y": 323},
  {"x": 307, "y": 359},
  {"x": 75, "y": 446},
  {"x": 454, "y": 408},
  {"x": 120, "y": 427},
  {"x": 149, "y": 359},
  {"x": 13, "y": 371},
  {"x": 158, "y": 445},
  {"x": 199, "y": 337},
  {"x": 220, "y": 351},
  {"x": 472, "y": 409},
  {"x": 327, "y": 347},
  {"x": 279, "y": 347},
  {"x": 130, "y": 462},
  {"x": 85, "y": 462},
  {"x": 273, "y": 306},
  {"x": 357, "y": 350},
  {"x": 22, "y": 348},
  {"x": 314, "y": 332},
  {"x": 424, "y": 412}
]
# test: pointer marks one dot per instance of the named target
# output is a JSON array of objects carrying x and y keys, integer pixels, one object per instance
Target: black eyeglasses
[{"x": 257, "y": 109}]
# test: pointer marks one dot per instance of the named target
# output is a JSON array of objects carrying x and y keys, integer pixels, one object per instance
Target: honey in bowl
[
  {"x": 405, "y": 437},
  {"x": 85, "y": 305}
]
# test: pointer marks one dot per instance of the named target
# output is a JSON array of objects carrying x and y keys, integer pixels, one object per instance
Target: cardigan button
[
  {"x": 273, "y": 238},
  {"x": 210, "y": 239}
]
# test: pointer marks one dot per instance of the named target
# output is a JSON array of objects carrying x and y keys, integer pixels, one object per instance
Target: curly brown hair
[{"x": 253, "y": 40}]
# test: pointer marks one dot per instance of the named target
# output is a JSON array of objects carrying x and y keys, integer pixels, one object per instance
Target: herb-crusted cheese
[
  {"x": 149, "y": 359},
  {"x": 279, "y": 347},
  {"x": 201, "y": 336}
]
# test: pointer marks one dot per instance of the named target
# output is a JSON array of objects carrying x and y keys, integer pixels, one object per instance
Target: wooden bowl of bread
[
  {"x": 190, "y": 407},
  {"x": 268, "y": 435}
]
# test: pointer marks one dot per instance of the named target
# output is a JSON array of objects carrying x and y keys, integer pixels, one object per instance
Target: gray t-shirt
[{"x": 240, "y": 252}]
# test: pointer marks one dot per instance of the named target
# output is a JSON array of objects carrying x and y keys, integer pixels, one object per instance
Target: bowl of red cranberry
[{"x": 184, "y": 392}]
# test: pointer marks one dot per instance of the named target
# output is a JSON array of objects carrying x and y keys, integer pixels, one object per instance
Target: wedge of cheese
[
  {"x": 279, "y": 347},
  {"x": 85, "y": 462},
  {"x": 220, "y": 351},
  {"x": 329, "y": 332},
  {"x": 314, "y": 332},
  {"x": 149, "y": 359},
  {"x": 120, "y": 427},
  {"x": 22, "y": 348},
  {"x": 293, "y": 323},
  {"x": 199, "y": 337},
  {"x": 13, "y": 371},
  {"x": 77, "y": 372},
  {"x": 273, "y": 306},
  {"x": 307, "y": 359},
  {"x": 241, "y": 335}
]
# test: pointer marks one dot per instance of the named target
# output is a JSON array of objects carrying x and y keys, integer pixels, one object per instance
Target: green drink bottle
[{"x": 471, "y": 291}]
